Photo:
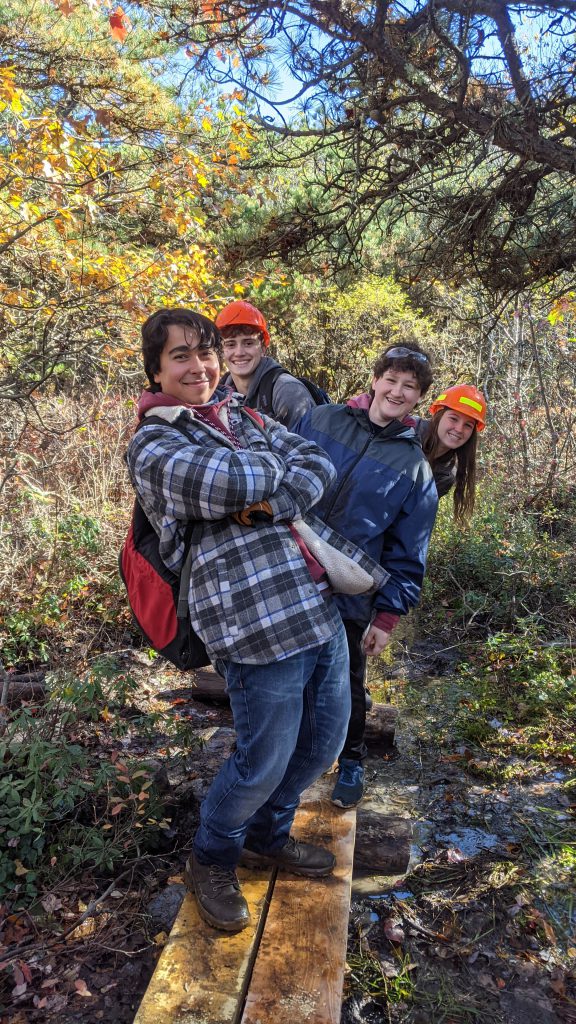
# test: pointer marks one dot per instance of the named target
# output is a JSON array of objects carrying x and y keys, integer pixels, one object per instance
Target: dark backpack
[
  {"x": 158, "y": 597},
  {"x": 268, "y": 380}
]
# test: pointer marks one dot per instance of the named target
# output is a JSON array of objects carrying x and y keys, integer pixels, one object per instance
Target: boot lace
[{"x": 222, "y": 878}]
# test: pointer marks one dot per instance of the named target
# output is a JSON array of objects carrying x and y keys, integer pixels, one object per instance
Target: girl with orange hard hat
[{"x": 449, "y": 441}]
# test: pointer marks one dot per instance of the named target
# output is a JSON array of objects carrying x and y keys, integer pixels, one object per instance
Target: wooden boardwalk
[{"x": 288, "y": 966}]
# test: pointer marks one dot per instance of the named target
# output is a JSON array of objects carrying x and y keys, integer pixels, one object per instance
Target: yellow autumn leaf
[{"x": 206, "y": 124}]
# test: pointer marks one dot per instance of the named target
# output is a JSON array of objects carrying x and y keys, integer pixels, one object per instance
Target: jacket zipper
[{"x": 344, "y": 479}]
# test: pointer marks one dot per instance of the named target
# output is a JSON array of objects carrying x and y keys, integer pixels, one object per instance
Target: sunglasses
[{"x": 400, "y": 352}]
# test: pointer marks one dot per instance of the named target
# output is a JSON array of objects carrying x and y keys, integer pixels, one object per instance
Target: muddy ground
[{"x": 481, "y": 927}]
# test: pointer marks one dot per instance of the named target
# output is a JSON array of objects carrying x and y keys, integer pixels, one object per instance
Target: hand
[
  {"x": 375, "y": 641},
  {"x": 259, "y": 512}
]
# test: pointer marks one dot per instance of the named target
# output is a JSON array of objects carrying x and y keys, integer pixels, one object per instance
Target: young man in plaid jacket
[{"x": 258, "y": 600}]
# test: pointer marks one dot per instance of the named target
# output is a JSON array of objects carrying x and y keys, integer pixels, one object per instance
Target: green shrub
[
  {"x": 524, "y": 682},
  {"x": 66, "y": 801},
  {"x": 504, "y": 567}
]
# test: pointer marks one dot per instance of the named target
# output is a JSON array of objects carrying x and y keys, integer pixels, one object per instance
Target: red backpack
[{"x": 158, "y": 597}]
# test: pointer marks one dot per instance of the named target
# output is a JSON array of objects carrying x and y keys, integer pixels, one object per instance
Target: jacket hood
[{"x": 157, "y": 399}]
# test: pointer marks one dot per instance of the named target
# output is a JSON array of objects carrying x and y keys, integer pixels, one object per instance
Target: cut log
[
  {"x": 209, "y": 687},
  {"x": 381, "y": 723},
  {"x": 26, "y": 686},
  {"x": 382, "y": 844}
]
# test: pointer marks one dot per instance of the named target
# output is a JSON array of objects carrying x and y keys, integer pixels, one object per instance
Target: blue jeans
[{"x": 290, "y": 718}]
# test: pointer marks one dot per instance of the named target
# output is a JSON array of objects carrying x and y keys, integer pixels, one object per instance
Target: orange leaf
[
  {"x": 119, "y": 25},
  {"x": 64, "y": 7}
]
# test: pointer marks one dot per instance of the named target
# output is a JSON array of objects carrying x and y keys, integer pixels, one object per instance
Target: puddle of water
[{"x": 470, "y": 840}]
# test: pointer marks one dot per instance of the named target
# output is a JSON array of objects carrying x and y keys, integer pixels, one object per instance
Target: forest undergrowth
[{"x": 101, "y": 744}]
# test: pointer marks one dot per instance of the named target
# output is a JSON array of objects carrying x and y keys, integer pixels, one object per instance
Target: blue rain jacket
[{"x": 384, "y": 500}]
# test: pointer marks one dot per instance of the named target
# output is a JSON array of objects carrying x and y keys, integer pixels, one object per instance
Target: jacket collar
[{"x": 394, "y": 429}]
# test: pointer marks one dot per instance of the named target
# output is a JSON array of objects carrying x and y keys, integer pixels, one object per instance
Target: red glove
[{"x": 259, "y": 512}]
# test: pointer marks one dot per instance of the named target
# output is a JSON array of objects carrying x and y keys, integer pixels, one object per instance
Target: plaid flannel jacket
[{"x": 251, "y": 596}]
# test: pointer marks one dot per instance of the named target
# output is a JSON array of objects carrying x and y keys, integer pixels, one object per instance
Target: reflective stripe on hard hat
[{"x": 466, "y": 401}]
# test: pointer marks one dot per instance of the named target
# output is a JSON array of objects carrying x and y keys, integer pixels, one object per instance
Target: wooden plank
[
  {"x": 292, "y": 957},
  {"x": 202, "y": 972},
  {"x": 299, "y": 971}
]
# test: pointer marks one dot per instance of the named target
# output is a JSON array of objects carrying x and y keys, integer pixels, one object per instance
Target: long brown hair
[{"x": 465, "y": 459}]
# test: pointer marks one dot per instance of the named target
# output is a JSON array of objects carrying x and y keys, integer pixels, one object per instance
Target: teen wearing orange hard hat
[
  {"x": 449, "y": 441},
  {"x": 465, "y": 399},
  {"x": 241, "y": 313}
]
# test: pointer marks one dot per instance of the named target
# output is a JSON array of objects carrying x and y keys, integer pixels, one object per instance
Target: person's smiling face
[
  {"x": 243, "y": 350},
  {"x": 454, "y": 429},
  {"x": 188, "y": 371},
  {"x": 396, "y": 393}
]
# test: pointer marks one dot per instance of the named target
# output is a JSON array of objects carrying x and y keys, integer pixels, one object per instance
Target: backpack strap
[
  {"x": 266, "y": 387},
  {"x": 192, "y": 532}
]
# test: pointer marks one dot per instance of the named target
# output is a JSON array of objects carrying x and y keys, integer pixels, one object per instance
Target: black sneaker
[
  {"x": 296, "y": 857},
  {"x": 218, "y": 895}
]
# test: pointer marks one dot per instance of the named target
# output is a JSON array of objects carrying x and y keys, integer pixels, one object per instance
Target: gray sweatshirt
[{"x": 290, "y": 398}]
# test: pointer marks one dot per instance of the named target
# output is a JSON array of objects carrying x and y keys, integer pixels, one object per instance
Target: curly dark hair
[
  {"x": 420, "y": 365},
  {"x": 155, "y": 335}
]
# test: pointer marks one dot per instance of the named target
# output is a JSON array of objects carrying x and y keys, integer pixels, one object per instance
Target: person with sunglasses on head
[
  {"x": 245, "y": 341},
  {"x": 385, "y": 501},
  {"x": 449, "y": 442}
]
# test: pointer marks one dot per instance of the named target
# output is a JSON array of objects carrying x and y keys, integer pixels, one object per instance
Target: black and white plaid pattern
[{"x": 251, "y": 597}]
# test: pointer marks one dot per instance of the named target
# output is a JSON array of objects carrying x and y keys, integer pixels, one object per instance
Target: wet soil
[{"x": 479, "y": 928}]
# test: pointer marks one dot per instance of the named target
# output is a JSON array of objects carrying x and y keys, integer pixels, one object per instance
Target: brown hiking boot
[
  {"x": 296, "y": 857},
  {"x": 218, "y": 895}
]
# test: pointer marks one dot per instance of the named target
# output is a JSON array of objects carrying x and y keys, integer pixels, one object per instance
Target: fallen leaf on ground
[
  {"x": 455, "y": 855},
  {"x": 82, "y": 988},
  {"x": 51, "y": 903},
  {"x": 393, "y": 930},
  {"x": 487, "y": 982}
]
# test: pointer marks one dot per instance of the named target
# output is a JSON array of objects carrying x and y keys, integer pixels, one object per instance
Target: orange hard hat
[
  {"x": 244, "y": 314},
  {"x": 463, "y": 398}
]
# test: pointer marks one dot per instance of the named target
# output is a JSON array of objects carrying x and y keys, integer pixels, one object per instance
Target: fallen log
[
  {"x": 381, "y": 723},
  {"x": 209, "y": 687},
  {"x": 25, "y": 686},
  {"x": 382, "y": 843}
]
